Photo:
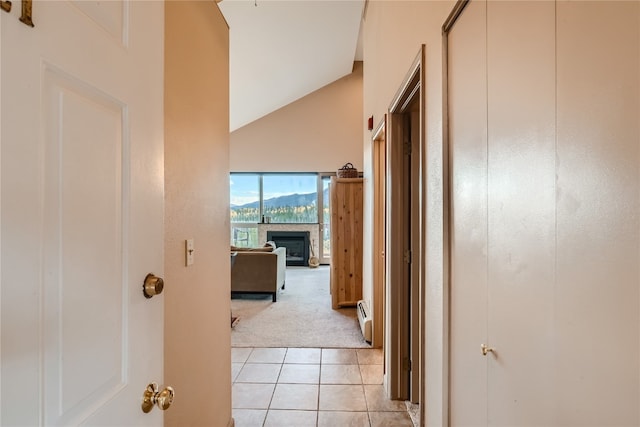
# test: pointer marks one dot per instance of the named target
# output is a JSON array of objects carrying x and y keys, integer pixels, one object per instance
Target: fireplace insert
[{"x": 297, "y": 244}]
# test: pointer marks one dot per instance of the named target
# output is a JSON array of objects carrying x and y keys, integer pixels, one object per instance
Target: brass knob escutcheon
[
  {"x": 163, "y": 399},
  {"x": 153, "y": 285}
]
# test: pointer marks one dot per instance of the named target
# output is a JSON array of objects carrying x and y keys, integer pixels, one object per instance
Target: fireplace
[{"x": 297, "y": 244}]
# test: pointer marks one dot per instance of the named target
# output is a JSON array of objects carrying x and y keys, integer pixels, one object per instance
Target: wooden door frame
[
  {"x": 398, "y": 328},
  {"x": 378, "y": 159}
]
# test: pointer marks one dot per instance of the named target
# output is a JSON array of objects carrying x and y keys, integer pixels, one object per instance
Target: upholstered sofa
[{"x": 258, "y": 271}]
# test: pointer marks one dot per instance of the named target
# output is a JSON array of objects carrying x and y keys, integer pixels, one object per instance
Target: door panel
[
  {"x": 468, "y": 170},
  {"x": 84, "y": 353},
  {"x": 81, "y": 216},
  {"x": 521, "y": 202}
]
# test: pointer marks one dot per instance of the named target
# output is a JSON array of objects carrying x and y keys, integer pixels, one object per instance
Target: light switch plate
[{"x": 189, "y": 249}]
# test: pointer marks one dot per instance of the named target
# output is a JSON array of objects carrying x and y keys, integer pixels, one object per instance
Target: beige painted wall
[
  {"x": 318, "y": 133},
  {"x": 393, "y": 33},
  {"x": 197, "y": 303}
]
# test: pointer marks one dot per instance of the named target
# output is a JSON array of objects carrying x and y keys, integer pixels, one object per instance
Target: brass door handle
[
  {"x": 485, "y": 349},
  {"x": 153, "y": 285},
  {"x": 163, "y": 399}
]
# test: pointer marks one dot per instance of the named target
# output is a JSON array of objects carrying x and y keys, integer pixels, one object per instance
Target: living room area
[
  {"x": 280, "y": 264},
  {"x": 281, "y": 165}
]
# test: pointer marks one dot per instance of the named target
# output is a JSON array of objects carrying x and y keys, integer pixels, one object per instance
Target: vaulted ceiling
[{"x": 282, "y": 50}]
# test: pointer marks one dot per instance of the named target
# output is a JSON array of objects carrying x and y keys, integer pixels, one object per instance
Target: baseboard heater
[{"x": 364, "y": 318}]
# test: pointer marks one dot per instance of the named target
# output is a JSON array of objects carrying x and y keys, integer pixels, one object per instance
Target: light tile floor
[{"x": 313, "y": 387}]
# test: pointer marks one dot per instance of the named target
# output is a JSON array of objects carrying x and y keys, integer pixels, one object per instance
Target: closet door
[
  {"x": 545, "y": 231},
  {"x": 502, "y": 159},
  {"x": 521, "y": 211},
  {"x": 467, "y": 98}
]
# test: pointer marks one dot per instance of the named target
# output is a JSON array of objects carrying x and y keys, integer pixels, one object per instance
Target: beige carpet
[{"x": 302, "y": 316}]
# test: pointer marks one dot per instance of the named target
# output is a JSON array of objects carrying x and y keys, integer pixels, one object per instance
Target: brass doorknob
[
  {"x": 153, "y": 285},
  {"x": 485, "y": 349},
  {"x": 163, "y": 399}
]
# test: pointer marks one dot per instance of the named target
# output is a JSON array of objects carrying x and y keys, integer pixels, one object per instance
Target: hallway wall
[{"x": 393, "y": 34}]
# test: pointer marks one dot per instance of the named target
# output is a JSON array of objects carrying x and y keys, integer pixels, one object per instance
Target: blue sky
[{"x": 245, "y": 189}]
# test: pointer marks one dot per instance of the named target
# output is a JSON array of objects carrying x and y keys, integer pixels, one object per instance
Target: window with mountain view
[
  {"x": 290, "y": 198},
  {"x": 245, "y": 209},
  {"x": 245, "y": 198},
  {"x": 276, "y": 198}
]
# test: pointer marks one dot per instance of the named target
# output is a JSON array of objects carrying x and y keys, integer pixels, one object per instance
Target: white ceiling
[{"x": 282, "y": 50}]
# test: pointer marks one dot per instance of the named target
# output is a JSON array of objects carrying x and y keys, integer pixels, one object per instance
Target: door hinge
[
  {"x": 408, "y": 258},
  {"x": 406, "y": 364},
  {"x": 407, "y": 148}
]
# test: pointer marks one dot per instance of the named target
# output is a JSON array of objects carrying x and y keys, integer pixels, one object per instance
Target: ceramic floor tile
[
  {"x": 303, "y": 355},
  {"x": 342, "y": 398},
  {"x": 390, "y": 419},
  {"x": 249, "y": 417},
  {"x": 299, "y": 374},
  {"x": 342, "y": 419},
  {"x": 378, "y": 401},
  {"x": 259, "y": 373},
  {"x": 267, "y": 355},
  {"x": 235, "y": 370},
  {"x": 251, "y": 396},
  {"x": 369, "y": 356},
  {"x": 339, "y": 356},
  {"x": 282, "y": 418},
  {"x": 240, "y": 354},
  {"x": 295, "y": 396},
  {"x": 372, "y": 374},
  {"x": 340, "y": 374}
]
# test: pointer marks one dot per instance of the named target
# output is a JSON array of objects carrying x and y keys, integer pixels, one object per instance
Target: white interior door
[
  {"x": 82, "y": 212},
  {"x": 468, "y": 170}
]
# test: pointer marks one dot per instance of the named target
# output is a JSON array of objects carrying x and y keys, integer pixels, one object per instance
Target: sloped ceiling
[{"x": 282, "y": 50}]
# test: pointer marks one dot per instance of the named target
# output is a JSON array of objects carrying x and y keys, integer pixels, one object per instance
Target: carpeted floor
[{"x": 302, "y": 317}]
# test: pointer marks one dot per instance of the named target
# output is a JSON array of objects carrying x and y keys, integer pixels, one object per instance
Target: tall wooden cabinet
[{"x": 346, "y": 241}]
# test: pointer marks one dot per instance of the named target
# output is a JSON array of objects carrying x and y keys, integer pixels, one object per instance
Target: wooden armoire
[{"x": 346, "y": 241}]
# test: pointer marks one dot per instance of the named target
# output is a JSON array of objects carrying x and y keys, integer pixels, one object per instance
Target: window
[
  {"x": 245, "y": 198},
  {"x": 283, "y": 198},
  {"x": 290, "y": 198},
  {"x": 245, "y": 209}
]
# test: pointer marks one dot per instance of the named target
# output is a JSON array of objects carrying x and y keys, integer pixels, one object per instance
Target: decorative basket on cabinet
[{"x": 347, "y": 171}]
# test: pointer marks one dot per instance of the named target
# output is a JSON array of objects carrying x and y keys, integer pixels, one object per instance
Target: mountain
[{"x": 282, "y": 201}]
